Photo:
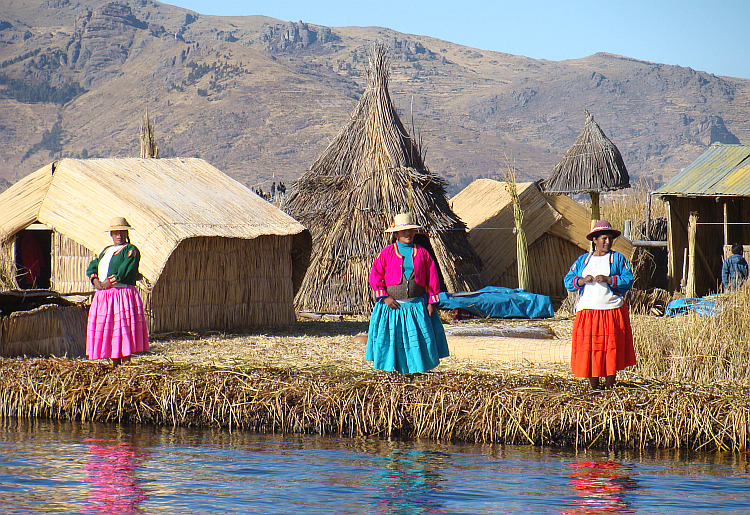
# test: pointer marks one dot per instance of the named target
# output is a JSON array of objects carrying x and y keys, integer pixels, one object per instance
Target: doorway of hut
[
  {"x": 33, "y": 257},
  {"x": 424, "y": 241}
]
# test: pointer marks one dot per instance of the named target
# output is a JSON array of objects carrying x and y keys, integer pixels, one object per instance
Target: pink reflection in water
[
  {"x": 110, "y": 475},
  {"x": 601, "y": 487}
]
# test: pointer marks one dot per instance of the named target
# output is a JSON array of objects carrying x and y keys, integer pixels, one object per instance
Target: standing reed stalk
[
  {"x": 692, "y": 230},
  {"x": 522, "y": 248}
]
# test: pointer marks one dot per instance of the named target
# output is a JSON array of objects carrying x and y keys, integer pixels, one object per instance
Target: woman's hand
[
  {"x": 97, "y": 283},
  {"x": 391, "y": 302},
  {"x": 582, "y": 281},
  {"x": 430, "y": 309},
  {"x": 603, "y": 279}
]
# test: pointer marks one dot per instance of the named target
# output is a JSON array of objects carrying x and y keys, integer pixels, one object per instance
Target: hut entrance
[{"x": 33, "y": 257}]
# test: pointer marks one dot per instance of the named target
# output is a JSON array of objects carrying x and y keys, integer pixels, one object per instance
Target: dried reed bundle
[
  {"x": 148, "y": 140},
  {"x": 592, "y": 165},
  {"x": 448, "y": 406},
  {"x": 522, "y": 249},
  {"x": 370, "y": 172}
]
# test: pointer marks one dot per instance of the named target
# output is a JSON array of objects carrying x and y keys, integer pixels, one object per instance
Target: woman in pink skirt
[{"x": 116, "y": 325}]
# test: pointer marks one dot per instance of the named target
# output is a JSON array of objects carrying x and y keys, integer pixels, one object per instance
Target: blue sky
[{"x": 704, "y": 35}]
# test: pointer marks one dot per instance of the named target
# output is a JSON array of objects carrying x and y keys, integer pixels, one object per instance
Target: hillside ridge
[{"x": 261, "y": 98}]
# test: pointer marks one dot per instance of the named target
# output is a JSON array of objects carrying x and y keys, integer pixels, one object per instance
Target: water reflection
[
  {"x": 111, "y": 477},
  {"x": 72, "y": 467},
  {"x": 601, "y": 487},
  {"x": 406, "y": 482}
]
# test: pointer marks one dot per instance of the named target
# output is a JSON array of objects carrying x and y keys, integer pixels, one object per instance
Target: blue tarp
[
  {"x": 500, "y": 302},
  {"x": 704, "y": 306}
]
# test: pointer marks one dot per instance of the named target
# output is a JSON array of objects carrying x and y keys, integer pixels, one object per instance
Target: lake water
[{"x": 63, "y": 467}]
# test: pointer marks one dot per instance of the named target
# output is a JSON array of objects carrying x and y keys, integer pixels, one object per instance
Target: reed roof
[
  {"x": 592, "y": 164},
  {"x": 165, "y": 200},
  {"x": 486, "y": 208},
  {"x": 372, "y": 170}
]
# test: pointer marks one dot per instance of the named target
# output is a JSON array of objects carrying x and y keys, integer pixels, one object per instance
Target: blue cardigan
[{"x": 619, "y": 269}]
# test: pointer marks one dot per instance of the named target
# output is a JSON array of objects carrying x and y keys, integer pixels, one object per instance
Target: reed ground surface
[
  {"x": 688, "y": 391},
  {"x": 538, "y": 346}
]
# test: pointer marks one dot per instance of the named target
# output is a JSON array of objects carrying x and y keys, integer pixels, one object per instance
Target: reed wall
[
  {"x": 48, "y": 330},
  {"x": 69, "y": 262},
  {"x": 550, "y": 258},
  {"x": 223, "y": 283}
]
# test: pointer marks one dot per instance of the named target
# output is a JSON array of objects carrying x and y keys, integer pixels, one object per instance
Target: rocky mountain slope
[{"x": 260, "y": 98}]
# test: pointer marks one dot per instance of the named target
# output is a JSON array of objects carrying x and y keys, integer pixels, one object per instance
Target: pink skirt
[{"x": 116, "y": 325}]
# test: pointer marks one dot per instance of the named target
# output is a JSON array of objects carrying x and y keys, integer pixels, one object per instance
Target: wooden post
[
  {"x": 683, "y": 281},
  {"x": 648, "y": 219},
  {"x": 692, "y": 229},
  {"x": 594, "y": 207},
  {"x": 726, "y": 222}
]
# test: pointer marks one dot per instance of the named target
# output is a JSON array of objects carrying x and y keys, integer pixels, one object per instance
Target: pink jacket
[{"x": 388, "y": 269}]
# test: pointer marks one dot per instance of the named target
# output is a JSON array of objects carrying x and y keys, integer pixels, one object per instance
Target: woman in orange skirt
[{"x": 602, "y": 336}]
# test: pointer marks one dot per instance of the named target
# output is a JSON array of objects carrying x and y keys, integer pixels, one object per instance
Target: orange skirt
[{"x": 602, "y": 342}]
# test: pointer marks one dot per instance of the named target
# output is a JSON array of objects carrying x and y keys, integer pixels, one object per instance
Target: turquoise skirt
[{"x": 406, "y": 339}]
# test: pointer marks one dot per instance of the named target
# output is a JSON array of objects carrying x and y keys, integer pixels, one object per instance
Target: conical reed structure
[
  {"x": 592, "y": 165},
  {"x": 370, "y": 172}
]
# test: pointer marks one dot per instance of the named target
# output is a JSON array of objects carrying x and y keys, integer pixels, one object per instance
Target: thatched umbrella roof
[
  {"x": 371, "y": 171},
  {"x": 592, "y": 165}
]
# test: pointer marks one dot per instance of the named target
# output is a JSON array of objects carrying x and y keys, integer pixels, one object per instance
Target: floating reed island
[{"x": 312, "y": 379}]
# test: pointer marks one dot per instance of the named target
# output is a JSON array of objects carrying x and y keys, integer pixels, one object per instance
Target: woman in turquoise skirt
[{"x": 406, "y": 334}]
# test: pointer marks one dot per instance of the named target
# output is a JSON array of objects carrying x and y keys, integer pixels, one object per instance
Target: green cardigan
[{"x": 123, "y": 266}]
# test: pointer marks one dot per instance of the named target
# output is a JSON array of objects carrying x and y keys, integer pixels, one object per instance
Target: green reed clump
[{"x": 696, "y": 348}]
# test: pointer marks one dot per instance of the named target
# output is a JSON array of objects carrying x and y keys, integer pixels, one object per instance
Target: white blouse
[{"x": 598, "y": 295}]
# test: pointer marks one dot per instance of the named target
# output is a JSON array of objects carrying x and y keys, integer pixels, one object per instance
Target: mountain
[{"x": 261, "y": 99}]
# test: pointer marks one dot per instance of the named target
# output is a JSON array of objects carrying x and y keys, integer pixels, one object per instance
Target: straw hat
[
  {"x": 119, "y": 223},
  {"x": 401, "y": 222},
  {"x": 602, "y": 226}
]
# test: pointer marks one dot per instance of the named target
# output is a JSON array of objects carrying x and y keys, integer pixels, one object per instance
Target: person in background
[
  {"x": 602, "y": 335},
  {"x": 734, "y": 269},
  {"x": 116, "y": 323},
  {"x": 406, "y": 334}
]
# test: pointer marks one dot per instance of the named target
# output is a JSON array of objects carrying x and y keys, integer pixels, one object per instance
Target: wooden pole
[
  {"x": 726, "y": 222},
  {"x": 648, "y": 219},
  {"x": 692, "y": 230},
  {"x": 683, "y": 280},
  {"x": 595, "y": 216}
]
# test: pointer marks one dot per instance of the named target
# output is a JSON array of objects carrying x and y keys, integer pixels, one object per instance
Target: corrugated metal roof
[
  {"x": 722, "y": 170},
  {"x": 165, "y": 200}
]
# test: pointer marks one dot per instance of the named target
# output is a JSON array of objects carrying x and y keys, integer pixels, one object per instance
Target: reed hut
[
  {"x": 372, "y": 170},
  {"x": 716, "y": 186},
  {"x": 555, "y": 225},
  {"x": 592, "y": 165},
  {"x": 214, "y": 255}
]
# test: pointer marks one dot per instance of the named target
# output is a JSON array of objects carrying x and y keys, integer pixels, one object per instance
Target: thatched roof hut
[
  {"x": 214, "y": 255},
  {"x": 371, "y": 171},
  {"x": 592, "y": 165},
  {"x": 717, "y": 187},
  {"x": 555, "y": 225}
]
